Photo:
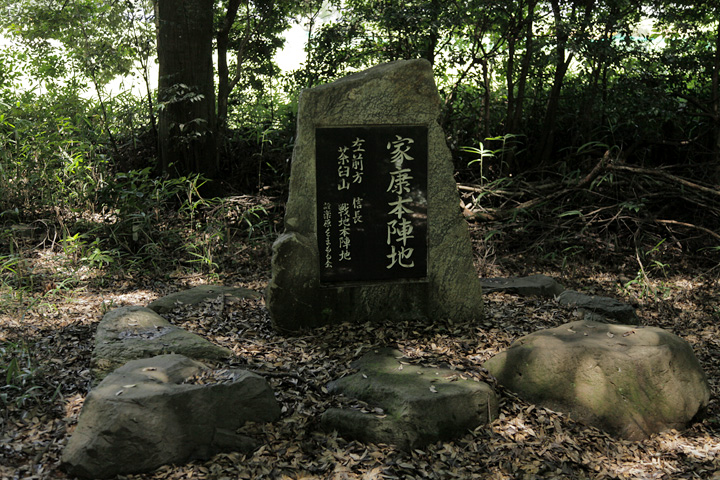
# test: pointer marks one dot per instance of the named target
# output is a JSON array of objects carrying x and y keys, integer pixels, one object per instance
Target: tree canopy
[
  {"x": 556, "y": 76},
  {"x": 546, "y": 79}
]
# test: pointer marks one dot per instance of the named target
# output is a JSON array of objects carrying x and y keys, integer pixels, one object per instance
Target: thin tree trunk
[
  {"x": 151, "y": 106},
  {"x": 486, "y": 98},
  {"x": 223, "y": 40},
  {"x": 103, "y": 108},
  {"x": 432, "y": 40},
  {"x": 310, "y": 49},
  {"x": 144, "y": 59},
  {"x": 716, "y": 101},
  {"x": 451, "y": 97},
  {"x": 515, "y": 108},
  {"x": 510, "y": 81},
  {"x": 98, "y": 91},
  {"x": 524, "y": 69},
  {"x": 549, "y": 127},
  {"x": 562, "y": 63}
]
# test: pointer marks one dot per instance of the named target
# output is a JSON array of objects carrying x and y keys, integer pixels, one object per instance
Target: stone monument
[{"x": 373, "y": 227}]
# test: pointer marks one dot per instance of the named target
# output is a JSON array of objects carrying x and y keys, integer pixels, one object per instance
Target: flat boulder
[
  {"x": 129, "y": 333},
  {"x": 537, "y": 285},
  {"x": 408, "y": 405},
  {"x": 629, "y": 381},
  {"x": 162, "y": 410},
  {"x": 199, "y": 294},
  {"x": 597, "y": 308}
]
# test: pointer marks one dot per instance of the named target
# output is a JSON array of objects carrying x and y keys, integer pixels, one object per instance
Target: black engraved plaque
[{"x": 372, "y": 203}]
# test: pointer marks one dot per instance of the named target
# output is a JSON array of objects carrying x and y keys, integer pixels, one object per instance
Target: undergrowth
[{"x": 639, "y": 223}]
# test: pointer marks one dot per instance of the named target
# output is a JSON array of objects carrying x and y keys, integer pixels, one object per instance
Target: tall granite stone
[{"x": 400, "y": 95}]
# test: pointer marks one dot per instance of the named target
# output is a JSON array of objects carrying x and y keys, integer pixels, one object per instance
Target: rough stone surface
[
  {"x": 629, "y": 381},
  {"x": 414, "y": 405},
  {"x": 197, "y": 295},
  {"x": 143, "y": 416},
  {"x": 539, "y": 285},
  {"x": 129, "y": 333},
  {"x": 598, "y": 308},
  {"x": 398, "y": 93}
]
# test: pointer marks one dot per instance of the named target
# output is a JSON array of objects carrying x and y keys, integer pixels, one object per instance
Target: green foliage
[
  {"x": 50, "y": 160},
  {"x": 97, "y": 39},
  {"x": 507, "y": 147},
  {"x": 563, "y": 77},
  {"x": 57, "y": 170},
  {"x": 19, "y": 373},
  {"x": 650, "y": 266}
]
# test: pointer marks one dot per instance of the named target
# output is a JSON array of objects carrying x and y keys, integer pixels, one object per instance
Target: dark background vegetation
[{"x": 584, "y": 145}]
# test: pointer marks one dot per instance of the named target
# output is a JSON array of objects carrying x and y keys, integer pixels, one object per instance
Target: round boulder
[{"x": 627, "y": 380}]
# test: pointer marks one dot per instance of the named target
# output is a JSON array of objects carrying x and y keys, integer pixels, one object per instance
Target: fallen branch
[
  {"x": 474, "y": 189},
  {"x": 594, "y": 172},
  {"x": 661, "y": 173},
  {"x": 690, "y": 225}
]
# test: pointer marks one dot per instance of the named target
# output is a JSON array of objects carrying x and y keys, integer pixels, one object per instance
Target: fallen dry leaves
[{"x": 525, "y": 442}]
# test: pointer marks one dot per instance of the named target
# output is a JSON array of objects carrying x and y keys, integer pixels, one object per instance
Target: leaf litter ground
[{"x": 525, "y": 442}]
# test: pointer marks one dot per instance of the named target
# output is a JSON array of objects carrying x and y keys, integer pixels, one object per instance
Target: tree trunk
[
  {"x": 562, "y": 63},
  {"x": 510, "y": 79},
  {"x": 223, "y": 40},
  {"x": 516, "y": 99},
  {"x": 431, "y": 41},
  {"x": 514, "y": 126},
  {"x": 186, "y": 91},
  {"x": 549, "y": 127},
  {"x": 716, "y": 101},
  {"x": 485, "y": 127}
]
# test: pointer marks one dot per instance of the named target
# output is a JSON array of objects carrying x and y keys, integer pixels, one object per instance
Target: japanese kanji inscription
[{"x": 372, "y": 203}]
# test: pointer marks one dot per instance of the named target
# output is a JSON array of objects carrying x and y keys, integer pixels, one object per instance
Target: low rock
[
  {"x": 538, "y": 285},
  {"x": 129, "y": 333},
  {"x": 601, "y": 309},
  {"x": 162, "y": 410},
  {"x": 629, "y": 381},
  {"x": 198, "y": 295},
  {"x": 412, "y": 405}
]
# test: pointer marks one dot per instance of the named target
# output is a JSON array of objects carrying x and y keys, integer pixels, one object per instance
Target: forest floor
[{"x": 50, "y": 334}]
